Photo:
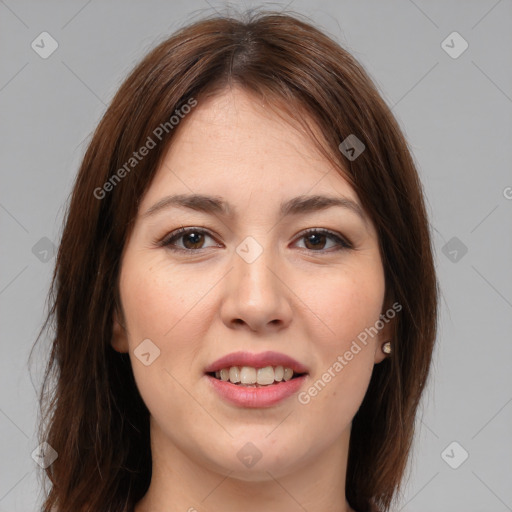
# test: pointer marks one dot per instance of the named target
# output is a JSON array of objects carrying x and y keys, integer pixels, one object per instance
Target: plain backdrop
[{"x": 455, "y": 107}]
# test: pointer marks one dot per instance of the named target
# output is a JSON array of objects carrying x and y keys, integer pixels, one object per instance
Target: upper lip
[{"x": 261, "y": 360}]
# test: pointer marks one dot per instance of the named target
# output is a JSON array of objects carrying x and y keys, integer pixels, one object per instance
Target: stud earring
[{"x": 386, "y": 348}]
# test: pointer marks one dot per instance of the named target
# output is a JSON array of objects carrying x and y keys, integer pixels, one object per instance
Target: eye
[
  {"x": 193, "y": 239},
  {"x": 316, "y": 239}
]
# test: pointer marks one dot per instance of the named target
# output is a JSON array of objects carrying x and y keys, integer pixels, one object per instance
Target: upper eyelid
[{"x": 182, "y": 231}]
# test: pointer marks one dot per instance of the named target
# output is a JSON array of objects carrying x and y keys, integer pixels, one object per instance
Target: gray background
[{"x": 457, "y": 116}]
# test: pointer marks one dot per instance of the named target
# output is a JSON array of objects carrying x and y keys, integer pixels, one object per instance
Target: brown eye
[
  {"x": 191, "y": 239},
  {"x": 196, "y": 239},
  {"x": 316, "y": 240}
]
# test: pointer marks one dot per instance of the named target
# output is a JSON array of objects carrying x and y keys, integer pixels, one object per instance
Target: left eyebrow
[{"x": 299, "y": 205}]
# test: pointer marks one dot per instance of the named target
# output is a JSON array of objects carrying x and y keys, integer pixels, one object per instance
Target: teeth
[
  {"x": 234, "y": 374},
  {"x": 248, "y": 376}
]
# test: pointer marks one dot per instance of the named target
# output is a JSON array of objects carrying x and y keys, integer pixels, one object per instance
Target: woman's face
[{"x": 249, "y": 279}]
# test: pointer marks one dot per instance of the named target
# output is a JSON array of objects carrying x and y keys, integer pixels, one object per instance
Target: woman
[{"x": 244, "y": 299}]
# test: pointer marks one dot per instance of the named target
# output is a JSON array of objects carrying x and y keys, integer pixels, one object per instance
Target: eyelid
[
  {"x": 344, "y": 243},
  {"x": 178, "y": 233}
]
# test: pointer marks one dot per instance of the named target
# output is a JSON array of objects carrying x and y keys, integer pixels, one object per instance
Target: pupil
[
  {"x": 196, "y": 238},
  {"x": 313, "y": 236}
]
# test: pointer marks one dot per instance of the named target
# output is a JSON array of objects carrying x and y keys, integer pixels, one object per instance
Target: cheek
[
  {"x": 345, "y": 303},
  {"x": 173, "y": 310},
  {"x": 160, "y": 300},
  {"x": 162, "y": 306}
]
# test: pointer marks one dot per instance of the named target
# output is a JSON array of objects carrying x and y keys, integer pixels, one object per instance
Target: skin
[{"x": 305, "y": 300}]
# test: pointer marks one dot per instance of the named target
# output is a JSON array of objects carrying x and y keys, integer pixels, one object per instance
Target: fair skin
[{"x": 300, "y": 297}]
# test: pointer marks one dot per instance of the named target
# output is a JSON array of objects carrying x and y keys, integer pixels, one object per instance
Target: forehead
[{"x": 234, "y": 141}]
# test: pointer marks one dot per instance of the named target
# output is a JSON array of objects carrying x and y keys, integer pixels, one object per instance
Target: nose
[{"x": 256, "y": 296}]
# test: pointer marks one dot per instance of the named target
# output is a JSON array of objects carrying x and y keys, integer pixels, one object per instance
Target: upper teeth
[{"x": 249, "y": 375}]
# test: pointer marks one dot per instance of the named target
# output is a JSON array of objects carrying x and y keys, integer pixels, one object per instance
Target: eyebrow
[{"x": 216, "y": 205}]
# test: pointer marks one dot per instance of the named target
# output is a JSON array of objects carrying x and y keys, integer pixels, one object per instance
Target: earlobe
[
  {"x": 383, "y": 351},
  {"x": 384, "y": 345},
  {"x": 119, "y": 335}
]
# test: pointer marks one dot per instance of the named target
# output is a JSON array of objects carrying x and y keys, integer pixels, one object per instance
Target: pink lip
[
  {"x": 264, "y": 396},
  {"x": 262, "y": 360}
]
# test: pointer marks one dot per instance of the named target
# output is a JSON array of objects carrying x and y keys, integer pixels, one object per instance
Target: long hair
[{"x": 92, "y": 414}]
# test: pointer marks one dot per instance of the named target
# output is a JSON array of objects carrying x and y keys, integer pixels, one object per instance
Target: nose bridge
[{"x": 253, "y": 263}]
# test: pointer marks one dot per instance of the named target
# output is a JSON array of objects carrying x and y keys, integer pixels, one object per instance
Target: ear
[
  {"x": 387, "y": 333},
  {"x": 119, "y": 335}
]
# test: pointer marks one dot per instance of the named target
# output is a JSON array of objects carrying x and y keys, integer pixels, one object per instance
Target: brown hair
[{"x": 93, "y": 415}]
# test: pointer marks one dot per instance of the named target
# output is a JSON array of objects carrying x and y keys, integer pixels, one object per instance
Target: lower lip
[{"x": 264, "y": 396}]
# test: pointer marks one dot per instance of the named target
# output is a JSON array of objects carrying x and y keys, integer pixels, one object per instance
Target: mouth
[
  {"x": 256, "y": 370},
  {"x": 250, "y": 387},
  {"x": 251, "y": 377}
]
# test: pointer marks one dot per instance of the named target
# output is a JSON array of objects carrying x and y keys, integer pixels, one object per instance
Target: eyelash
[{"x": 179, "y": 233}]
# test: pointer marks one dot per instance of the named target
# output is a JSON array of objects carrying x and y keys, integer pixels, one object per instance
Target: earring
[{"x": 386, "y": 348}]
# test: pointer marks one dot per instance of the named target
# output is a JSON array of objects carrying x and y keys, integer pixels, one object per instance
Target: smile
[
  {"x": 256, "y": 395},
  {"x": 255, "y": 377}
]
